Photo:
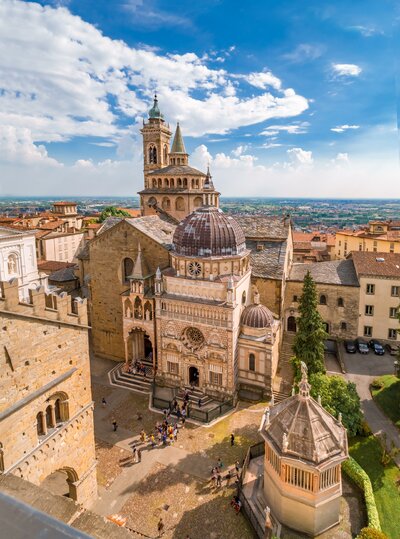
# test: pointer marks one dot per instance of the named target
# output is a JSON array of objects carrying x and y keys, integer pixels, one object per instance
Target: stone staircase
[
  {"x": 133, "y": 382},
  {"x": 283, "y": 382},
  {"x": 195, "y": 395}
]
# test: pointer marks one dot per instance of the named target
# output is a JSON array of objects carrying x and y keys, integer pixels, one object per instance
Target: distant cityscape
[{"x": 307, "y": 214}]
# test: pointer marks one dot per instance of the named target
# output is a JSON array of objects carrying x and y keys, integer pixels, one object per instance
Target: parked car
[
  {"x": 362, "y": 346},
  {"x": 392, "y": 348},
  {"x": 351, "y": 347},
  {"x": 377, "y": 347}
]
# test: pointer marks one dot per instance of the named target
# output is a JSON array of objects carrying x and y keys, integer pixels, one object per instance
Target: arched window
[
  {"x": 159, "y": 182},
  {"x": 152, "y": 155},
  {"x": 179, "y": 182},
  {"x": 57, "y": 409},
  {"x": 127, "y": 269},
  {"x": 244, "y": 297},
  {"x": 185, "y": 182},
  {"x": 128, "y": 308},
  {"x": 166, "y": 203},
  {"x": 343, "y": 326},
  {"x": 138, "y": 309},
  {"x": 180, "y": 204},
  {"x": 49, "y": 419},
  {"x": 148, "y": 311},
  {"x": 340, "y": 302},
  {"x": 165, "y": 154},
  {"x": 39, "y": 426},
  {"x": 12, "y": 264},
  {"x": 152, "y": 201},
  {"x": 166, "y": 182},
  {"x": 322, "y": 299},
  {"x": 252, "y": 362},
  {"x": 154, "y": 183},
  {"x": 198, "y": 201}
]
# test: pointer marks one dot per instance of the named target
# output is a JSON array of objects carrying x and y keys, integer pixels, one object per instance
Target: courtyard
[{"x": 173, "y": 482}]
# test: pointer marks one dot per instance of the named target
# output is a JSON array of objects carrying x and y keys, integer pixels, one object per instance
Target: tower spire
[
  {"x": 155, "y": 112},
  {"x": 178, "y": 145}
]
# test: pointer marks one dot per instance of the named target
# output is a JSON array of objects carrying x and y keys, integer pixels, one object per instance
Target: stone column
[
  {"x": 53, "y": 415},
  {"x": 43, "y": 423}
]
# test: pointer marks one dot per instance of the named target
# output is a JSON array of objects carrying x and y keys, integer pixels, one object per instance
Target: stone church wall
[{"x": 107, "y": 253}]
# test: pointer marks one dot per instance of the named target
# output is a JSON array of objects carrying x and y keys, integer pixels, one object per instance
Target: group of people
[
  {"x": 137, "y": 367},
  {"x": 164, "y": 433},
  {"x": 217, "y": 476}
]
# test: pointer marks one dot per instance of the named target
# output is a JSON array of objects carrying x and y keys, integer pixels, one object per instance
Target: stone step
[
  {"x": 194, "y": 396},
  {"x": 279, "y": 396},
  {"x": 134, "y": 382}
]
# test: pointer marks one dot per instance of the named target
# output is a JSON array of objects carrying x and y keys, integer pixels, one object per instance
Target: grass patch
[
  {"x": 367, "y": 452},
  {"x": 387, "y": 396}
]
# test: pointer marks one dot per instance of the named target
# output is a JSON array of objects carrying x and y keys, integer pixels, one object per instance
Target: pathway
[{"x": 362, "y": 370}]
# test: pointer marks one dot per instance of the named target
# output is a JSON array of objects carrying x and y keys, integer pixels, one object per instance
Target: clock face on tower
[{"x": 194, "y": 268}]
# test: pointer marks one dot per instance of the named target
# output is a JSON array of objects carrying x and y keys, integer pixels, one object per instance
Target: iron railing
[{"x": 203, "y": 416}]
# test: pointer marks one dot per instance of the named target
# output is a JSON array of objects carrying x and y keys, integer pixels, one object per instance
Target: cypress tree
[{"x": 309, "y": 341}]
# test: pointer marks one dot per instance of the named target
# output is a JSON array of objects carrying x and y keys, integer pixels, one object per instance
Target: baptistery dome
[
  {"x": 257, "y": 316},
  {"x": 209, "y": 232}
]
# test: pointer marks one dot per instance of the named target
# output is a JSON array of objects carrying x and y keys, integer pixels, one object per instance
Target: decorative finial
[
  {"x": 285, "y": 442},
  {"x": 158, "y": 274},
  {"x": 304, "y": 386}
]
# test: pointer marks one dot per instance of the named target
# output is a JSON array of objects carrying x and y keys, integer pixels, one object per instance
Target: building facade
[
  {"x": 377, "y": 237},
  {"x": 18, "y": 259},
  {"x": 46, "y": 408},
  {"x": 379, "y": 277}
]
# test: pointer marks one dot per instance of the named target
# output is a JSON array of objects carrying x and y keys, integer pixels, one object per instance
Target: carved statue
[{"x": 285, "y": 442}]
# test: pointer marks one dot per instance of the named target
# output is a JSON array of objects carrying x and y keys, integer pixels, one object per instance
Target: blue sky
[{"x": 294, "y": 98}]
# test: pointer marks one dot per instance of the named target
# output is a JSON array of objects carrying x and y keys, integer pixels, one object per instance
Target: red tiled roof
[
  {"x": 377, "y": 264},
  {"x": 53, "y": 265}
]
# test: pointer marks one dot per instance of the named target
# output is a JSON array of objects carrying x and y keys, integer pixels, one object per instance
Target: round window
[
  {"x": 194, "y": 268},
  {"x": 192, "y": 338}
]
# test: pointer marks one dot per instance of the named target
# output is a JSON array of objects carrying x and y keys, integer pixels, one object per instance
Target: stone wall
[
  {"x": 46, "y": 409},
  {"x": 331, "y": 313},
  {"x": 107, "y": 253}
]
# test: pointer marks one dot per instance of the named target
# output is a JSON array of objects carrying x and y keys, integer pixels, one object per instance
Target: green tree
[
  {"x": 112, "y": 211},
  {"x": 371, "y": 533},
  {"x": 309, "y": 341},
  {"x": 339, "y": 397}
]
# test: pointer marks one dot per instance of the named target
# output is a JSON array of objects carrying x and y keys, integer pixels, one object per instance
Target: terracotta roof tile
[{"x": 379, "y": 264}]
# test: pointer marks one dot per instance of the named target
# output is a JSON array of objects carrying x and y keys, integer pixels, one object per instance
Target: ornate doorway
[
  {"x": 140, "y": 346},
  {"x": 194, "y": 376}
]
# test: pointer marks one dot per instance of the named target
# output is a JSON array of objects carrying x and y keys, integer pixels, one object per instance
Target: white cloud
[
  {"x": 58, "y": 76},
  {"x": 269, "y": 145},
  {"x": 295, "y": 129},
  {"x": 342, "y": 157},
  {"x": 299, "y": 157},
  {"x": 342, "y": 128},
  {"x": 237, "y": 152},
  {"x": 263, "y": 80},
  {"x": 346, "y": 70},
  {"x": 366, "y": 31},
  {"x": 17, "y": 146},
  {"x": 304, "y": 52}
]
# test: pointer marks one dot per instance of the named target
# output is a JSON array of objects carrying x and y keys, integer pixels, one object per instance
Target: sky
[{"x": 283, "y": 99}]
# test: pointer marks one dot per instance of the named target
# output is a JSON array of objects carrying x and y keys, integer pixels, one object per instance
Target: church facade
[{"x": 180, "y": 292}]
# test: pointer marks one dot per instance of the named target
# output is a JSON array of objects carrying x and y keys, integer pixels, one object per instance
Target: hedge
[{"x": 362, "y": 480}]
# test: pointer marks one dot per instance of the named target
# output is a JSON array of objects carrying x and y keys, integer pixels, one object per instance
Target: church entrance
[
  {"x": 194, "y": 376},
  {"x": 291, "y": 324},
  {"x": 141, "y": 348}
]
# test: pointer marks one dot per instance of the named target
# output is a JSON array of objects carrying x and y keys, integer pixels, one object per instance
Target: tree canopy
[
  {"x": 112, "y": 211},
  {"x": 309, "y": 341},
  {"x": 338, "y": 396}
]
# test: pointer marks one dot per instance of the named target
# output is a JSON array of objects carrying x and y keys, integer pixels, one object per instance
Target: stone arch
[
  {"x": 69, "y": 489},
  {"x": 138, "y": 308},
  {"x": 291, "y": 324},
  {"x": 13, "y": 264},
  {"x": 128, "y": 308},
  {"x": 180, "y": 204},
  {"x": 127, "y": 268},
  {"x": 154, "y": 183},
  {"x": 61, "y": 406},
  {"x": 179, "y": 182},
  {"x": 166, "y": 182},
  {"x": 148, "y": 311},
  {"x": 172, "y": 182},
  {"x": 252, "y": 362},
  {"x": 197, "y": 202},
  {"x": 159, "y": 181},
  {"x": 323, "y": 299},
  {"x": 185, "y": 182},
  {"x": 193, "y": 183},
  {"x": 152, "y": 154},
  {"x": 152, "y": 201},
  {"x": 165, "y": 150},
  {"x": 166, "y": 203}
]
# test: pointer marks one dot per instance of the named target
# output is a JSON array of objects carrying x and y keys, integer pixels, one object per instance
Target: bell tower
[{"x": 156, "y": 140}]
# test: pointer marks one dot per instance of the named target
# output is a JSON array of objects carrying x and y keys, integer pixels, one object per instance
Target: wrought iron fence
[{"x": 204, "y": 416}]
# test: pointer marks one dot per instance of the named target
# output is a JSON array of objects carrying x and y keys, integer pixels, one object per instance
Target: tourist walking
[
  {"x": 115, "y": 425},
  {"x": 139, "y": 455},
  {"x": 232, "y": 439},
  {"x": 160, "y": 527},
  {"x": 134, "y": 450},
  {"x": 220, "y": 464},
  {"x": 237, "y": 466},
  {"x": 228, "y": 478},
  {"x": 103, "y": 402},
  {"x": 219, "y": 480}
]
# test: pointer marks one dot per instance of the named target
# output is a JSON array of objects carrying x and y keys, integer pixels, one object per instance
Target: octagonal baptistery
[
  {"x": 208, "y": 233},
  {"x": 304, "y": 449}
]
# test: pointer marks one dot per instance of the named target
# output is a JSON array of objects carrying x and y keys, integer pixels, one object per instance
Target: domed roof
[
  {"x": 209, "y": 232},
  {"x": 257, "y": 316},
  {"x": 155, "y": 112},
  {"x": 301, "y": 428}
]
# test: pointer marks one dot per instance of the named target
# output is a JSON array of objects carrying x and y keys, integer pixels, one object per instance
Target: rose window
[
  {"x": 192, "y": 338},
  {"x": 194, "y": 268}
]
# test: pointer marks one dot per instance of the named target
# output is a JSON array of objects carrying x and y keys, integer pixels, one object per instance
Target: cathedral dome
[
  {"x": 257, "y": 316},
  {"x": 209, "y": 232}
]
